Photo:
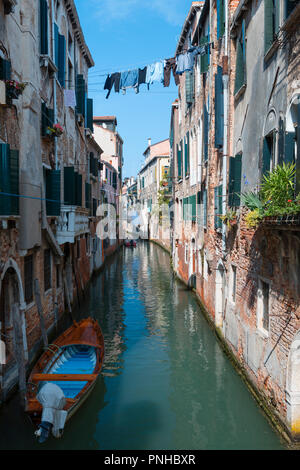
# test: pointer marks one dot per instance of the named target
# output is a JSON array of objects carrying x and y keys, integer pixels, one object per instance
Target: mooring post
[
  {"x": 37, "y": 294},
  {"x": 19, "y": 352}
]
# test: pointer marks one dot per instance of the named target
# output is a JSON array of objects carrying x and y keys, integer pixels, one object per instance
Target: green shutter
[
  {"x": 204, "y": 59},
  {"x": 53, "y": 192},
  {"x": 217, "y": 211},
  {"x": 5, "y": 69},
  {"x": 4, "y": 180},
  {"x": 193, "y": 208},
  {"x": 189, "y": 87},
  {"x": 44, "y": 27},
  {"x": 69, "y": 186},
  {"x": 61, "y": 59},
  {"x": 237, "y": 180},
  {"x": 289, "y": 147},
  {"x": 14, "y": 182},
  {"x": 231, "y": 182},
  {"x": 80, "y": 95},
  {"x": 187, "y": 154},
  {"x": 234, "y": 182},
  {"x": 204, "y": 201},
  {"x": 269, "y": 23},
  {"x": 88, "y": 196},
  {"x": 90, "y": 114},
  {"x": 219, "y": 108},
  {"x": 56, "y": 45},
  {"x": 220, "y": 18}
]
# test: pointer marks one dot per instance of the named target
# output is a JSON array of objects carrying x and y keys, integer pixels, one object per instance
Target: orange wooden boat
[{"x": 64, "y": 376}]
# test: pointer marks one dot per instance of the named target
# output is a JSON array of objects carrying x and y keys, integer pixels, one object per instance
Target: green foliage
[
  {"x": 229, "y": 217},
  {"x": 276, "y": 197}
]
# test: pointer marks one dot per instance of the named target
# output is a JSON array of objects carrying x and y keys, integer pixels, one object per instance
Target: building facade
[
  {"x": 235, "y": 121},
  {"x": 49, "y": 174}
]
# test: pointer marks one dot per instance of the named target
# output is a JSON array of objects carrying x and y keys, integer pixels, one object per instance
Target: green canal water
[{"x": 165, "y": 384}]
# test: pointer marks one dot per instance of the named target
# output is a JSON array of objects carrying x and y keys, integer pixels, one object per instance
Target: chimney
[{"x": 149, "y": 142}]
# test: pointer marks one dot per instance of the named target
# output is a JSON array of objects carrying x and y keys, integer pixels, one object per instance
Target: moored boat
[{"x": 64, "y": 376}]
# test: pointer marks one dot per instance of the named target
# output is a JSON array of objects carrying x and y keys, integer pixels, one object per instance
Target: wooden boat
[{"x": 73, "y": 363}]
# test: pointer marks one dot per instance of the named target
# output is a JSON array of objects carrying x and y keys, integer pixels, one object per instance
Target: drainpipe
[
  {"x": 54, "y": 87},
  {"x": 225, "y": 142}
]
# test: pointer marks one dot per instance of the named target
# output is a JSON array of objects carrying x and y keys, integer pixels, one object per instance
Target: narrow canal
[{"x": 166, "y": 383}]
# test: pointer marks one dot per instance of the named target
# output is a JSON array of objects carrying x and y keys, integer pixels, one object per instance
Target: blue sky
[{"x": 124, "y": 35}]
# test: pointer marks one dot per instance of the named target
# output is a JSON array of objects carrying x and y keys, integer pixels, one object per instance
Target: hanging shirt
[
  {"x": 129, "y": 79},
  {"x": 185, "y": 62},
  {"x": 155, "y": 72},
  {"x": 142, "y": 75}
]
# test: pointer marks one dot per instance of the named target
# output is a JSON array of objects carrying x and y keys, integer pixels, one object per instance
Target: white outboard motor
[{"x": 52, "y": 399}]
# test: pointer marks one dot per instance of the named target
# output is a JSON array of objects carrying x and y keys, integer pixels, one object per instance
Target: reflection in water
[{"x": 166, "y": 384}]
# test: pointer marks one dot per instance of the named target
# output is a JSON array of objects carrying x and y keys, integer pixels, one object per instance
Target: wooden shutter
[
  {"x": 80, "y": 95},
  {"x": 69, "y": 186},
  {"x": 219, "y": 108},
  {"x": 88, "y": 196},
  {"x": 217, "y": 212},
  {"x": 90, "y": 114},
  {"x": 193, "y": 208},
  {"x": 5, "y": 69},
  {"x": 204, "y": 201},
  {"x": 187, "y": 154},
  {"x": 61, "y": 59},
  {"x": 53, "y": 192},
  {"x": 237, "y": 180},
  {"x": 44, "y": 27},
  {"x": 220, "y": 18},
  {"x": 4, "y": 180},
  {"x": 269, "y": 24},
  {"x": 189, "y": 87},
  {"x": 14, "y": 182},
  {"x": 289, "y": 147},
  {"x": 28, "y": 278},
  {"x": 239, "y": 68},
  {"x": 56, "y": 45},
  {"x": 204, "y": 60}
]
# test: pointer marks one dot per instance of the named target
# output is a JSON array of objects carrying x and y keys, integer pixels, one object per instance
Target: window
[
  {"x": 240, "y": 69},
  {"x": 53, "y": 192},
  {"x": 289, "y": 6},
  {"x": 187, "y": 154},
  {"x": 28, "y": 278},
  {"x": 235, "y": 177},
  {"x": 179, "y": 160},
  {"x": 272, "y": 11},
  {"x": 47, "y": 270},
  {"x": 219, "y": 108},
  {"x": 9, "y": 180},
  {"x": 218, "y": 207},
  {"x": 263, "y": 306},
  {"x": 189, "y": 88},
  {"x": 44, "y": 27},
  {"x": 268, "y": 157}
]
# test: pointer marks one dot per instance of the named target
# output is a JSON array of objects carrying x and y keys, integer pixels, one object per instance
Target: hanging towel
[{"x": 155, "y": 72}]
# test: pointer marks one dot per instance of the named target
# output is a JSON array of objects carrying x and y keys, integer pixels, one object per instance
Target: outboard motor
[{"x": 52, "y": 398}]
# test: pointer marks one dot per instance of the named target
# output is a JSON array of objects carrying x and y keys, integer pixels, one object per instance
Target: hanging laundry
[
  {"x": 112, "y": 80},
  {"x": 142, "y": 75},
  {"x": 185, "y": 62},
  {"x": 155, "y": 72},
  {"x": 170, "y": 65},
  {"x": 129, "y": 79}
]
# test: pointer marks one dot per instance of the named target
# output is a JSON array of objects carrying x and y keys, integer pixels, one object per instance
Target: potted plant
[
  {"x": 14, "y": 89},
  {"x": 230, "y": 218},
  {"x": 55, "y": 131}
]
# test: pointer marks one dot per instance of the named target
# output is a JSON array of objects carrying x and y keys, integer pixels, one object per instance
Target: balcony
[{"x": 72, "y": 223}]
